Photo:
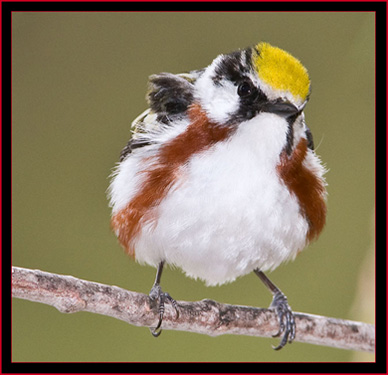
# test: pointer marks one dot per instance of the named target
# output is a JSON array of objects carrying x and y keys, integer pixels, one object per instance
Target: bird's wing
[{"x": 169, "y": 96}]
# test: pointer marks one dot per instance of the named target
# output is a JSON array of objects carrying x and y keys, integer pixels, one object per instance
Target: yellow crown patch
[{"x": 281, "y": 71}]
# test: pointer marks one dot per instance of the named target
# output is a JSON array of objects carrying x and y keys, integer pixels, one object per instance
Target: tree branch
[{"x": 69, "y": 294}]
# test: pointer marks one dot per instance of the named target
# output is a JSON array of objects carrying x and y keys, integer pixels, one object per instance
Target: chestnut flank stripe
[
  {"x": 161, "y": 177},
  {"x": 307, "y": 187}
]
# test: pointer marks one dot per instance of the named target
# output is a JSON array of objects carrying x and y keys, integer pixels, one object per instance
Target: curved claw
[
  {"x": 286, "y": 320},
  {"x": 157, "y": 293},
  {"x": 156, "y": 331},
  {"x": 174, "y": 304}
]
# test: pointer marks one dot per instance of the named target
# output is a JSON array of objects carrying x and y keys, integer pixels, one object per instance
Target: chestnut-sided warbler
[{"x": 220, "y": 177}]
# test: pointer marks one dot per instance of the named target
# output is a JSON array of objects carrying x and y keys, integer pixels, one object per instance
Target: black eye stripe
[{"x": 251, "y": 103}]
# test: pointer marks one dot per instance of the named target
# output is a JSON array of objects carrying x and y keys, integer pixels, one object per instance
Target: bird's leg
[
  {"x": 157, "y": 293},
  {"x": 282, "y": 309}
]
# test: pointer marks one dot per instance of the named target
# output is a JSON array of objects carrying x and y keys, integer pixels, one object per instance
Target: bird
[{"x": 220, "y": 177}]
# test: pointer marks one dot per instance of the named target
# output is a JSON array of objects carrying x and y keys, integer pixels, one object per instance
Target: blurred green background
[{"x": 78, "y": 81}]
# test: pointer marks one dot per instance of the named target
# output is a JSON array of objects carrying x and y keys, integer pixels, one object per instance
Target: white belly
[{"x": 228, "y": 214}]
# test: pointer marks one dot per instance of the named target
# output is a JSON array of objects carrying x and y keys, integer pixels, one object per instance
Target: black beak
[{"x": 283, "y": 108}]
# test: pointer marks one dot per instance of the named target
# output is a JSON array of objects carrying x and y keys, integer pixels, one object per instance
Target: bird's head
[{"x": 258, "y": 82}]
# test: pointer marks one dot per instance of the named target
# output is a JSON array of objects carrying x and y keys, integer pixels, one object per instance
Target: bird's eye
[{"x": 245, "y": 89}]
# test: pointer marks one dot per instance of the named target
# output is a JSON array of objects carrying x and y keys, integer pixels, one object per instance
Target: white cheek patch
[
  {"x": 223, "y": 103},
  {"x": 218, "y": 100}
]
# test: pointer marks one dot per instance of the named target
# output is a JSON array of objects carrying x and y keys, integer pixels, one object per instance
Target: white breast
[{"x": 229, "y": 213}]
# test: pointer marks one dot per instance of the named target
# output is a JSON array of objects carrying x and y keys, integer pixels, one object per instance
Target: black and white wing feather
[{"x": 169, "y": 96}]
